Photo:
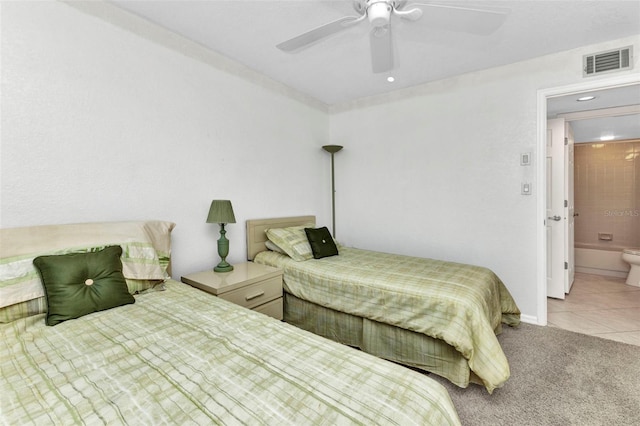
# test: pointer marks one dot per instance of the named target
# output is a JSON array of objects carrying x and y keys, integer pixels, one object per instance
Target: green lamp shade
[
  {"x": 332, "y": 148},
  {"x": 221, "y": 212}
]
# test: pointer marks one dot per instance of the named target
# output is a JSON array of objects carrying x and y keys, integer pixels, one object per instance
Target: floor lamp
[{"x": 332, "y": 149}]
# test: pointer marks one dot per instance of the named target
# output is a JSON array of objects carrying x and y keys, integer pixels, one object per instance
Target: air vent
[{"x": 611, "y": 60}]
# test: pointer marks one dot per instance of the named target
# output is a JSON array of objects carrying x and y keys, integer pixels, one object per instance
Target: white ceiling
[
  {"x": 338, "y": 69},
  {"x": 612, "y": 113}
]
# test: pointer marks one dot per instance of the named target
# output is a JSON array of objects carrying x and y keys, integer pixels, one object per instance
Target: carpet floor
[{"x": 558, "y": 377}]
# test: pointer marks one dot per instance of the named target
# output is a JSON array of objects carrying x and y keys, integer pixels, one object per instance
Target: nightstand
[{"x": 254, "y": 286}]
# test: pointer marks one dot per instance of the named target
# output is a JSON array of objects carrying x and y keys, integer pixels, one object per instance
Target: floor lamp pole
[{"x": 332, "y": 149}]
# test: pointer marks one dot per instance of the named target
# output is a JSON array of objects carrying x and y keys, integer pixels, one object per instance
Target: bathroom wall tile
[{"x": 607, "y": 192}]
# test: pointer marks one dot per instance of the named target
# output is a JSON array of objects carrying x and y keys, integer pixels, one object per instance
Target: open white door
[
  {"x": 569, "y": 246},
  {"x": 555, "y": 210}
]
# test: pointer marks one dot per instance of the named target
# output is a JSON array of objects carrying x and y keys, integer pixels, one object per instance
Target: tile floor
[{"x": 600, "y": 306}]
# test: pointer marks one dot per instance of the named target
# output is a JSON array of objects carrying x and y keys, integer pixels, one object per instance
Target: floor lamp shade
[
  {"x": 221, "y": 212},
  {"x": 332, "y": 149}
]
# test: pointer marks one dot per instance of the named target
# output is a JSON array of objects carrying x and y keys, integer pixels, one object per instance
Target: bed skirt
[{"x": 382, "y": 340}]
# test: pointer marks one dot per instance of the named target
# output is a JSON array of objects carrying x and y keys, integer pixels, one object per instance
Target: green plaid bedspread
[
  {"x": 461, "y": 304},
  {"x": 185, "y": 357}
]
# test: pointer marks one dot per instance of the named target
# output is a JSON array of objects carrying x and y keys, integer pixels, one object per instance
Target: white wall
[
  {"x": 105, "y": 117},
  {"x": 102, "y": 121},
  {"x": 437, "y": 168}
]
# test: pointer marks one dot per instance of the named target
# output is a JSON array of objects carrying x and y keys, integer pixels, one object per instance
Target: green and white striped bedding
[
  {"x": 146, "y": 247},
  {"x": 461, "y": 304},
  {"x": 185, "y": 357}
]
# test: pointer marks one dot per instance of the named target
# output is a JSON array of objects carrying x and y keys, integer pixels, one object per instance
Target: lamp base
[
  {"x": 223, "y": 267},
  {"x": 223, "y": 251}
]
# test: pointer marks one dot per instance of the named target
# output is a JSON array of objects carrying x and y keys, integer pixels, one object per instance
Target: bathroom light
[
  {"x": 391, "y": 79},
  {"x": 586, "y": 98}
]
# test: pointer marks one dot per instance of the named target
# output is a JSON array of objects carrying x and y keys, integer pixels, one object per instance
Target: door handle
[{"x": 556, "y": 218}]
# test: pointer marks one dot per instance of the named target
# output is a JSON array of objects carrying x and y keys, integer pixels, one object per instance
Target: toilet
[{"x": 632, "y": 257}]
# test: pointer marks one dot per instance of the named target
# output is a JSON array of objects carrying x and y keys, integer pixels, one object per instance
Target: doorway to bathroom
[
  {"x": 604, "y": 177},
  {"x": 596, "y": 205}
]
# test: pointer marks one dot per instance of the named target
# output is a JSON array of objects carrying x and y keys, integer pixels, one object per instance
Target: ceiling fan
[{"x": 469, "y": 19}]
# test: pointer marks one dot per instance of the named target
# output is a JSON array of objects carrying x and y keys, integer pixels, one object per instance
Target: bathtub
[{"x": 600, "y": 259}]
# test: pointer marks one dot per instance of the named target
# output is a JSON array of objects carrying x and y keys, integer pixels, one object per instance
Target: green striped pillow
[{"x": 293, "y": 241}]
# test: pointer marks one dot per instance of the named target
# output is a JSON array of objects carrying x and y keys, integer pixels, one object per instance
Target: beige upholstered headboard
[{"x": 256, "y": 228}]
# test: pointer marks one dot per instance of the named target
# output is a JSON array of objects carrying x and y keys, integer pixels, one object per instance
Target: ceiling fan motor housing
[{"x": 378, "y": 11}]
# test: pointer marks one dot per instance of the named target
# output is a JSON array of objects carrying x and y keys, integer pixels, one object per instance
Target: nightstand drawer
[
  {"x": 255, "y": 294},
  {"x": 273, "y": 308}
]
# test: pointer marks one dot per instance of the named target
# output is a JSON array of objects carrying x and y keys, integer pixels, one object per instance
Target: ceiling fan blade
[
  {"x": 381, "y": 49},
  {"x": 473, "y": 20},
  {"x": 321, "y": 32}
]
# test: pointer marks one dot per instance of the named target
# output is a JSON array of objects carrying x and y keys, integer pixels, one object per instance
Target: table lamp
[{"x": 221, "y": 212}]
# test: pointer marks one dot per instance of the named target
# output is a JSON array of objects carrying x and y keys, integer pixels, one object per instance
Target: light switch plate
[
  {"x": 525, "y": 159},
  {"x": 526, "y": 188}
]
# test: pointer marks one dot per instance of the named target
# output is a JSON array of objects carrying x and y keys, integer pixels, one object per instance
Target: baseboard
[{"x": 529, "y": 319}]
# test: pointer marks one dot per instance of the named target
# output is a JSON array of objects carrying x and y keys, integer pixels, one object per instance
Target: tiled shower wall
[{"x": 607, "y": 194}]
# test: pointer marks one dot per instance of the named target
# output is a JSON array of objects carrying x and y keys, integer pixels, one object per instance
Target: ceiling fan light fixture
[
  {"x": 378, "y": 13},
  {"x": 471, "y": 19}
]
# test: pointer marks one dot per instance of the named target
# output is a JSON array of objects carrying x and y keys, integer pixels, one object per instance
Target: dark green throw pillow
[
  {"x": 321, "y": 242},
  {"x": 78, "y": 284}
]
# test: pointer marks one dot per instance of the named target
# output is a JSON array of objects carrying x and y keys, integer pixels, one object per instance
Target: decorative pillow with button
[
  {"x": 78, "y": 284},
  {"x": 321, "y": 242}
]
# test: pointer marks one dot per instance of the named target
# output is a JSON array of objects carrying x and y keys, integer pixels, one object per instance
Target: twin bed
[
  {"x": 437, "y": 316},
  {"x": 162, "y": 352},
  {"x": 169, "y": 353}
]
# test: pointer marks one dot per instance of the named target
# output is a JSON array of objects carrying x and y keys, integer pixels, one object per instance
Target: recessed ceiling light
[
  {"x": 586, "y": 98},
  {"x": 391, "y": 79},
  {"x": 607, "y": 138}
]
